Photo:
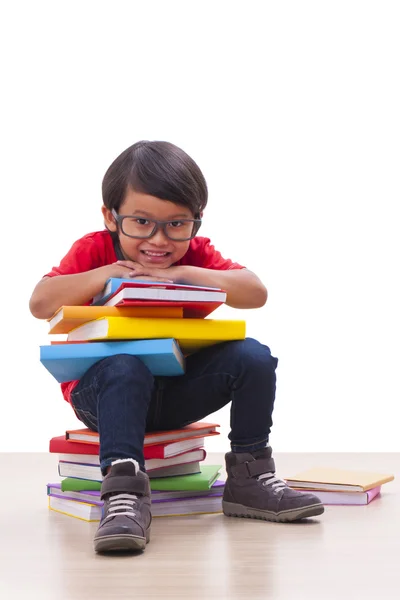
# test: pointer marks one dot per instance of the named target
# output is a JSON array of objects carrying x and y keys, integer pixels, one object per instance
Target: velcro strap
[
  {"x": 252, "y": 468},
  {"x": 124, "y": 485}
]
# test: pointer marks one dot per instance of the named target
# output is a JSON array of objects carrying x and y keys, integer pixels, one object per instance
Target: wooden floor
[{"x": 348, "y": 552}]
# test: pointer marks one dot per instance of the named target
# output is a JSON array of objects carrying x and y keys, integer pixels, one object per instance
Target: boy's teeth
[{"x": 155, "y": 253}]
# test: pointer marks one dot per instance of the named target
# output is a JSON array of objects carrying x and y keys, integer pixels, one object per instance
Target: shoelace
[
  {"x": 270, "y": 479},
  {"x": 121, "y": 504}
]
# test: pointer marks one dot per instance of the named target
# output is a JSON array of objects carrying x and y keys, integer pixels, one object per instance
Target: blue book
[
  {"x": 67, "y": 362},
  {"x": 159, "y": 290}
]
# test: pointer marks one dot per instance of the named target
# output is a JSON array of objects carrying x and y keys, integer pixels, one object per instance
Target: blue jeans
[{"x": 121, "y": 399}]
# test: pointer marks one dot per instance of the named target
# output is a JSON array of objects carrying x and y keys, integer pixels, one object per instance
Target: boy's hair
[{"x": 159, "y": 169}]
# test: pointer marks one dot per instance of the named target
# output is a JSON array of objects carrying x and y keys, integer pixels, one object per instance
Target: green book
[
  {"x": 199, "y": 481},
  {"x": 71, "y": 484}
]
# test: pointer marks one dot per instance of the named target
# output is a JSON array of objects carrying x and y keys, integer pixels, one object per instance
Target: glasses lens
[
  {"x": 179, "y": 230},
  {"x": 137, "y": 227}
]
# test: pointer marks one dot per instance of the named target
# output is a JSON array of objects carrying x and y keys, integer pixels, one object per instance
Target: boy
[{"x": 154, "y": 195}]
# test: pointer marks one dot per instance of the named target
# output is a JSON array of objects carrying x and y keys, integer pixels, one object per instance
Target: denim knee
[
  {"x": 123, "y": 368},
  {"x": 253, "y": 355}
]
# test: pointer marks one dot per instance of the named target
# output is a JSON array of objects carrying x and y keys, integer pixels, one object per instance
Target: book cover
[
  {"x": 68, "y": 362},
  {"x": 191, "y": 334},
  {"x": 157, "y": 467},
  {"x": 158, "y": 290},
  {"x": 69, "y": 317},
  {"x": 202, "y": 428},
  {"x": 345, "y": 498},
  {"x": 189, "y": 506},
  {"x": 77, "y": 477},
  {"x": 173, "y": 508},
  {"x": 191, "y": 310},
  {"x": 89, "y": 453},
  {"x": 201, "y": 481},
  {"x": 195, "y": 455},
  {"x": 330, "y": 479},
  {"x": 58, "y": 444},
  {"x": 73, "y": 508},
  {"x": 93, "y": 496}
]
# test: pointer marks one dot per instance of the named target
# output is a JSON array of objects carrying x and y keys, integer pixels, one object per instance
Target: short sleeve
[{"x": 84, "y": 255}]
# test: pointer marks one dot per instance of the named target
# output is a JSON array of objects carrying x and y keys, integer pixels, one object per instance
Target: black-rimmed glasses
[{"x": 178, "y": 230}]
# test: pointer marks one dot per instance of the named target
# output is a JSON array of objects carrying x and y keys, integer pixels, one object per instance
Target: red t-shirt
[{"x": 97, "y": 250}]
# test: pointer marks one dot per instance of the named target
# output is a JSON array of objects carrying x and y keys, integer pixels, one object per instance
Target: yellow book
[
  {"x": 191, "y": 334},
  {"x": 325, "y": 478},
  {"x": 69, "y": 317}
]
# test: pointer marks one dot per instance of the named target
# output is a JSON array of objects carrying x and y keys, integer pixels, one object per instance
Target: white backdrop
[{"x": 291, "y": 109}]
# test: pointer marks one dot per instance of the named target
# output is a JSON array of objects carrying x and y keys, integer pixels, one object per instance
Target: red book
[
  {"x": 191, "y": 310},
  {"x": 77, "y": 451},
  {"x": 59, "y": 445}
]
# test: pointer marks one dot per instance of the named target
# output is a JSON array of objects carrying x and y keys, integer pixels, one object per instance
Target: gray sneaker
[
  {"x": 125, "y": 524},
  {"x": 253, "y": 491}
]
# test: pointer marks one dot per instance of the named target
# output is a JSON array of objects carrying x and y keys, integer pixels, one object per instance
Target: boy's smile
[{"x": 158, "y": 250}]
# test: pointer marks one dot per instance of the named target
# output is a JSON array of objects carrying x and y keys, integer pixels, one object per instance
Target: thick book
[
  {"x": 92, "y": 471},
  {"x": 73, "y": 508},
  {"x": 191, "y": 334},
  {"x": 191, "y": 310},
  {"x": 201, "y": 481},
  {"x": 345, "y": 498},
  {"x": 58, "y": 444},
  {"x": 68, "y": 362},
  {"x": 329, "y": 479},
  {"x": 158, "y": 290},
  {"x": 89, "y": 453},
  {"x": 169, "y": 508},
  {"x": 202, "y": 428},
  {"x": 93, "y": 496},
  {"x": 80, "y": 479},
  {"x": 69, "y": 317}
]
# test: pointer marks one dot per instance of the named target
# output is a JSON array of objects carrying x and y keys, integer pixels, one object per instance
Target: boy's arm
[
  {"x": 76, "y": 289},
  {"x": 244, "y": 289},
  {"x": 67, "y": 290}
]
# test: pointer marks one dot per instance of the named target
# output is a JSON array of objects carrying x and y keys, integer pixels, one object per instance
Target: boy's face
[{"x": 157, "y": 251}]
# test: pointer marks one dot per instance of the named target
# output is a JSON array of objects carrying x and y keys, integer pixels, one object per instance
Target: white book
[
  {"x": 73, "y": 508},
  {"x": 154, "y": 467},
  {"x": 164, "y": 294}
]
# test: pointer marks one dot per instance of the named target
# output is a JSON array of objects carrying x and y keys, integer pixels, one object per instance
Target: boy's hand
[{"x": 130, "y": 268}]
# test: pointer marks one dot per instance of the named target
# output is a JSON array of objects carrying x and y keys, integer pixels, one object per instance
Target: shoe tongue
[{"x": 124, "y": 467}]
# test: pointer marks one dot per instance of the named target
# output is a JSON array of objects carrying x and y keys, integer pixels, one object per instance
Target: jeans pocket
[{"x": 84, "y": 403}]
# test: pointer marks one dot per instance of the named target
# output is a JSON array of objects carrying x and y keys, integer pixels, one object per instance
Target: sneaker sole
[
  {"x": 121, "y": 543},
  {"x": 231, "y": 509}
]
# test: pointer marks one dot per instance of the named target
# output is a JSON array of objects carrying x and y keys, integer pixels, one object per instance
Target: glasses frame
[{"x": 157, "y": 225}]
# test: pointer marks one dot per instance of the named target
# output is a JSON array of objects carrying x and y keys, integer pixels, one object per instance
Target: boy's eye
[
  {"x": 141, "y": 221},
  {"x": 175, "y": 224}
]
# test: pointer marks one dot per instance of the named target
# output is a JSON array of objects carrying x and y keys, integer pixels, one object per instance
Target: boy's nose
[{"x": 159, "y": 238}]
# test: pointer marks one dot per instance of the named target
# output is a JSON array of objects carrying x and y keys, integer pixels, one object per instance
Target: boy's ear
[{"x": 109, "y": 221}]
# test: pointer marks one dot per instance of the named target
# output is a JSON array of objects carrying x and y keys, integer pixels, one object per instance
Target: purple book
[{"x": 93, "y": 496}]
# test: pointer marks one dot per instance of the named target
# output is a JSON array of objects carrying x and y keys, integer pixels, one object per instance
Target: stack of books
[
  {"x": 157, "y": 322},
  {"x": 161, "y": 324},
  {"x": 340, "y": 486},
  {"x": 180, "y": 483}
]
